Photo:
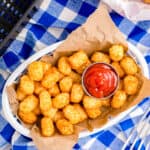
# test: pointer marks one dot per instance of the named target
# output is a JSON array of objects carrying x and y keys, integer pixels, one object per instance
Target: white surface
[
  {"x": 67, "y": 15},
  {"x": 135, "y": 10},
  {"x": 24, "y": 131}
]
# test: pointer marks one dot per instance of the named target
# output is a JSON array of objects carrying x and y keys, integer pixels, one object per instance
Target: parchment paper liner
[{"x": 98, "y": 33}]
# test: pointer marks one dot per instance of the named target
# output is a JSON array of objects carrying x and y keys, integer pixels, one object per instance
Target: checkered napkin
[{"x": 52, "y": 22}]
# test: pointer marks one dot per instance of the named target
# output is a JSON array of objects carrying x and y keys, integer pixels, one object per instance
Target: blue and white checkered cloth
[{"x": 52, "y": 22}]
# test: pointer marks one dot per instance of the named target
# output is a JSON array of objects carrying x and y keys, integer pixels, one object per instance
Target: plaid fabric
[{"x": 52, "y": 22}]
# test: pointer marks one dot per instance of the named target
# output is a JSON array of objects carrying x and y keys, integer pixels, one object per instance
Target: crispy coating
[
  {"x": 50, "y": 112},
  {"x": 28, "y": 104},
  {"x": 26, "y": 85},
  {"x": 83, "y": 67},
  {"x": 76, "y": 93},
  {"x": 74, "y": 113},
  {"x": 118, "y": 99},
  {"x": 58, "y": 115},
  {"x": 129, "y": 65},
  {"x": 46, "y": 66},
  {"x": 78, "y": 59},
  {"x": 51, "y": 77},
  {"x": 75, "y": 76},
  {"x": 56, "y": 71},
  {"x": 131, "y": 84},
  {"x": 65, "y": 84},
  {"x": 65, "y": 127},
  {"x": 37, "y": 110},
  {"x": 105, "y": 102},
  {"x": 20, "y": 94},
  {"x": 90, "y": 102},
  {"x": 71, "y": 114},
  {"x": 118, "y": 68},
  {"x": 47, "y": 126},
  {"x": 100, "y": 57},
  {"x": 54, "y": 90},
  {"x": 61, "y": 100},
  {"x": 38, "y": 88},
  {"x": 45, "y": 100},
  {"x": 81, "y": 111},
  {"x": 35, "y": 71},
  {"x": 28, "y": 118},
  {"x": 64, "y": 66},
  {"x": 116, "y": 52},
  {"x": 93, "y": 112}
]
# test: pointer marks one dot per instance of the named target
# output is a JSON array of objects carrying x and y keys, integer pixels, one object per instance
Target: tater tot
[
  {"x": 118, "y": 68},
  {"x": 58, "y": 115},
  {"x": 38, "y": 88},
  {"x": 56, "y": 71},
  {"x": 116, "y": 52},
  {"x": 45, "y": 100},
  {"x": 20, "y": 94},
  {"x": 61, "y": 100},
  {"x": 78, "y": 59},
  {"x": 90, "y": 102},
  {"x": 65, "y": 127},
  {"x": 51, "y": 77},
  {"x": 35, "y": 71},
  {"x": 81, "y": 111},
  {"x": 129, "y": 65},
  {"x": 83, "y": 67},
  {"x": 54, "y": 90},
  {"x": 118, "y": 99},
  {"x": 75, "y": 76},
  {"x": 26, "y": 85},
  {"x": 28, "y": 104},
  {"x": 46, "y": 66},
  {"x": 76, "y": 93},
  {"x": 28, "y": 118},
  {"x": 131, "y": 84},
  {"x": 93, "y": 112},
  {"x": 64, "y": 66},
  {"x": 65, "y": 84},
  {"x": 105, "y": 102},
  {"x": 50, "y": 112},
  {"x": 72, "y": 114},
  {"x": 47, "y": 126},
  {"x": 100, "y": 57},
  {"x": 37, "y": 110}
]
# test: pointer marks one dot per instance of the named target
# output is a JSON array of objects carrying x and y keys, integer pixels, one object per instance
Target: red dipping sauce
[{"x": 100, "y": 80}]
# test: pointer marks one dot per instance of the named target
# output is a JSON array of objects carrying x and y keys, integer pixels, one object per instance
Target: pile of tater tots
[{"x": 55, "y": 94}]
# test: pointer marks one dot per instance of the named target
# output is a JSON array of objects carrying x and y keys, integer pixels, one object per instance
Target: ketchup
[{"x": 100, "y": 80}]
